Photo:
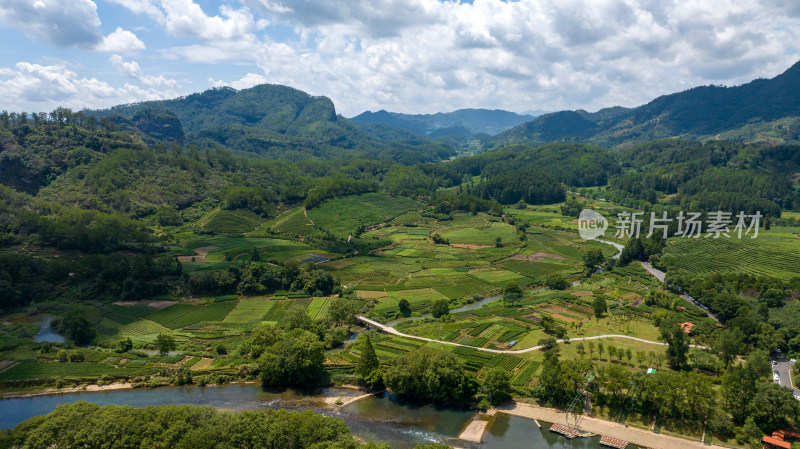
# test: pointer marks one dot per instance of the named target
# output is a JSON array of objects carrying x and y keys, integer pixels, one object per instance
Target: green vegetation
[{"x": 184, "y": 426}]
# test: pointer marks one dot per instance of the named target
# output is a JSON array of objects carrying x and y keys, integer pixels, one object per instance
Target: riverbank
[
  {"x": 78, "y": 389},
  {"x": 639, "y": 437}
]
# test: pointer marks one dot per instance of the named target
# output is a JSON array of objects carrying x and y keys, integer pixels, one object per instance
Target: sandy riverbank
[
  {"x": 80, "y": 389},
  {"x": 633, "y": 435}
]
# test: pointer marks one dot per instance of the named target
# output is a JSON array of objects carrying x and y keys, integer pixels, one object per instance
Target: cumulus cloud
[
  {"x": 147, "y": 7},
  {"x": 56, "y": 22},
  {"x": 185, "y": 17},
  {"x": 433, "y": 55},
  {"x": 246, "y": 82},
  {"x": 427, "y": 55},
  {"x": 34, "y": 87},
  {"x": 120, "y": 41},
  {"x": 133, "y": 70}
]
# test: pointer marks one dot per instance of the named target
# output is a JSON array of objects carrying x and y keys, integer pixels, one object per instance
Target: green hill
[
  {"x": 269, "y": 121},
  {"x": 764, "y": 110}
]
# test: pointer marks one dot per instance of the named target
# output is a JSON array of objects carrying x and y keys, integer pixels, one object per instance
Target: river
[{"x": 379, "y": 418}]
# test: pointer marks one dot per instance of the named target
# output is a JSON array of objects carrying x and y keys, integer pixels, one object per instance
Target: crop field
[
  {"x": 277, "y": 310},
  {"x": 293, "y": 223},
  {"x": 419, "y": 300},
  {"x": 31, "y": 369},
  {"x": 774, "y": 253},
  {"x": 486, "y": 235},
  {"x": 525, "y": 375},
  {"x": 341, "y": 216},
  {"x": 499, "y": 278},
  {"x": 248, "y": 310},
  {"x": 212, "y": 312},
  {"x": 143, "y": 330},
  {"x": 318, "y": 308},
  {"x": 223, "y": 221},
  {"x": 171, "y": 313}
]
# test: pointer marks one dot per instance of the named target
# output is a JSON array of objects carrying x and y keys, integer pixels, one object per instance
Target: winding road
[
  {"x": 660, "y": 275},
  {"x": 393, "y": 331}
]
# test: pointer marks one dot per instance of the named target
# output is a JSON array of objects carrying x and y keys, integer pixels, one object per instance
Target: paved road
[
  {"x": 660, "y": 275},
  {"x": 393, "y": 331},
  {"x": 783, "y": 367}
]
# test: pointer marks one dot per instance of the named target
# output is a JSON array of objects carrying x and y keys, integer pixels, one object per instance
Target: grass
[
  {"x": 341, "y": 216},
  {"x": 143, "y": 331}
]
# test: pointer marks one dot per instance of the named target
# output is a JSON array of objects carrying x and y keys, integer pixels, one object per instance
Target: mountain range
[
  {"x": 764, "y": 110},
  {"x": 279, "y": 122},
  {"x": 462, "y": 122}
]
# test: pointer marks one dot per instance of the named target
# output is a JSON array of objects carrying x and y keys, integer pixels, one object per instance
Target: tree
[
  {"x": 164, "y": 343},
  {"x": 342, "y": 311},
  {"x": 640, "y": 357},
  {"x": 77, "y": 328},
  {"x": 368, "y": 361},
  {"x": 255, "y": 256},
  {"x": 404, "y": 307},
  {"x": 512, "y": 292},
  {"x": 497, "y": 386},
  {"x": 628, "y": 354},
  {"x": 498, "y": 242},
  {"x": 591, "y": 349},
  {"x": 772, "y": 407},
  {"x": 593, "y": 258},
  {"x": 599, "y": 306},
  {"x": 124, "y": 345},
  {"x": 600, "y": 349},
  {"x": 612, "y": 352},
  {"x": 556, "y": 281},
  {"x": 678, "y": 343},
  {"x": 729, "y": 344},
  {"x": 296, "y": 359},
  {"x": 431, "y": 375},
  {"x": 297, "y": 318},
  {"x": 440, "y": 308},
  {"x": 581, "y": 349}
]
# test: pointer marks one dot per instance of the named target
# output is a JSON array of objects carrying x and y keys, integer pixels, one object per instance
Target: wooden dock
[{"x": 613, "y": 442}]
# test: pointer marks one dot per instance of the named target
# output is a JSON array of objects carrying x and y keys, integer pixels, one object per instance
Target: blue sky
[{"x": 417, "y": 56}]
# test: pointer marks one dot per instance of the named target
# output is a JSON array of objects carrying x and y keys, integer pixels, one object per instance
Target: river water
[{"x": 380, "y": 418}]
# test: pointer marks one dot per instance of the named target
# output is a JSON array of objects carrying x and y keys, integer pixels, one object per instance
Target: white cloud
[
  {"x": 246, "y": 82},
  {"x": 147, "y": 7},
  {"x": 427, "y": 55},
  {"x": 34, "y": 87},
  {"x": 185, "y": 17},
  {"x": 62, "y": 23},
  {"x": 133, "y": 70},
  {"x": 433, "y": 55},
  {"x": 120, "y": 41}
]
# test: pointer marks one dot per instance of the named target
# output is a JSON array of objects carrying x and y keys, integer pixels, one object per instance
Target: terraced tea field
[
  {"x": 341, "y": 216},
  {"x": 774, "y": 253}
]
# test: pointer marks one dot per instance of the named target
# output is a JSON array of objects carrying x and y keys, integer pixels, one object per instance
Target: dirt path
[
  {"x": 201, "y": 252},
  {"x": 393, "y": 331},
  {"x": 305, "y": 212},
  {"x": 640, "y": 437}
]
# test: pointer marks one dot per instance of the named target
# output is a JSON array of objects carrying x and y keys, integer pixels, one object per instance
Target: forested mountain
[
  {"x": 462, "y": 122},
  {"x": 267, "y": 121},
  {"x": 764, "y": 110}
]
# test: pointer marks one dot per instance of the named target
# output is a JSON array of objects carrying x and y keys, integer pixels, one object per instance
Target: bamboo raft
[
  {"x": 613, "y": 442},
  {"x": 568, "y": 432}
]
